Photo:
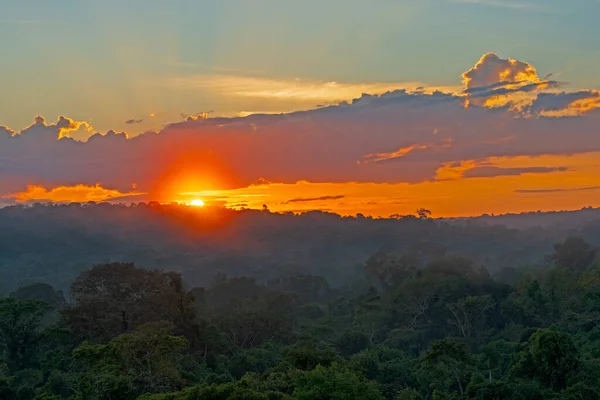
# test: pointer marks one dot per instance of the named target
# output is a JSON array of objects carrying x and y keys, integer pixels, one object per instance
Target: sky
[{"x": 382, "y": 107}]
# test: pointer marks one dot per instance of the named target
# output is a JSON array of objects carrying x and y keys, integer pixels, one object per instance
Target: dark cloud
[
  {"x": 504, "y": 88},
  {"x": 322, "y": 198},
  {"x": 558, "y": 190},
  {"x": 134, "y": 121},
  {"x": 564, "y": 101},
  {"x": 493, "y": 171}
]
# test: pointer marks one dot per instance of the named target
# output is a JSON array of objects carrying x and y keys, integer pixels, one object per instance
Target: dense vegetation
[
  {"x": 55, "y": 243},
  {"x": 413, "y": 325}
]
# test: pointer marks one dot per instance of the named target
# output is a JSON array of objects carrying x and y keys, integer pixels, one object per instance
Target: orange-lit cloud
[
  {"x": 195, "y": 117},
  {"x": 77, "y": 193},
  {"x": 66, "y": 126},
  {"x": 491, "y": 69},
  {"x": 401, "y": 152},
  {"x": 566, "y": 104},
  {"x": 496, "y": 82}
]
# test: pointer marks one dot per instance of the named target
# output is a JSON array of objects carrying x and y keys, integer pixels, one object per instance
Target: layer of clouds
[{"x": 398, "y": 136}]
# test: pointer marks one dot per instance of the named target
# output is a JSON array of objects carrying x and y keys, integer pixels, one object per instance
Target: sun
[{"x": 197, "y": 203}]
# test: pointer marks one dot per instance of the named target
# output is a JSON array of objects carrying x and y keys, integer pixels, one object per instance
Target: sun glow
[{"x": 197, "y": 203}]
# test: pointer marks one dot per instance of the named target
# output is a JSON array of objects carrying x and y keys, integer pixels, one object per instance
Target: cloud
[
  {"x": 63, "y": 128},
  {"x": 558, "y": 190},
  {"x": 487, "y": 168},
  {"x": 401, "y": 152},
  {"x": 566, "y": 104},
  {"x": 493, "y": 171},
  {"x": 400, "y": 136},
  {"x": 496, "y": 82},
  {"x": 134, "y": 121},
  {"x": 76, "y": 193},
  {"x": 491, "y": 69},
  {"x": 196, "y": 117},
  {"x": 284, "y": 89},
  {"x": 311, "y": 199}
]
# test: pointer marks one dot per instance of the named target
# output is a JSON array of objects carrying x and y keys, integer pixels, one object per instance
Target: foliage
[{"x": 420, "y": 324}]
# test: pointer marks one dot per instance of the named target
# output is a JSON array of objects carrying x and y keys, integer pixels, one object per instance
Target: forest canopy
[{"x": 256, "y": 305}]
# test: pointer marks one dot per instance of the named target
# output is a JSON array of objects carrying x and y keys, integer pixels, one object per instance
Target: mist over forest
[{"x": 54, "y": 243}]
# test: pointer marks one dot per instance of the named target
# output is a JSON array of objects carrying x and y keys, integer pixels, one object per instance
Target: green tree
[
  {"x": 334, "y": 383},
  {"x": 549, "y": 356},
  {"x": 147, "y": 360},
  {"x": 468, "y": 315},
  {"x": 446, "y": 364},
  {"x": 21, "y": 331}
]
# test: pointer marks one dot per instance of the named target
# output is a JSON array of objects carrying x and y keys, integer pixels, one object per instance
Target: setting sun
[{"x": 197, "y": 203}]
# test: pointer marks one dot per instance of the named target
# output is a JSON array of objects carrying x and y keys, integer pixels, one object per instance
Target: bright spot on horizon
[{"x": 197, "y": 203}]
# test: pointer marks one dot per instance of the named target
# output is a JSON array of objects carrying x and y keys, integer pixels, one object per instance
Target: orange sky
[{"x": 452, "y": 196}]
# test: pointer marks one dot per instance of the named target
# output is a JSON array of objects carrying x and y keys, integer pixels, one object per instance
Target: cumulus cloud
[
  {"x": 491, "y": 69},
  {"x": 497, "y": 82}
]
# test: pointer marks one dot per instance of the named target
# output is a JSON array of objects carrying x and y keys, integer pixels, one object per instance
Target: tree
[
  {"x": 574, "y": 253},
  {"x": 550, "y": 357},
  {"x": 496, "y": 357},
  {"x": 386, "y": 271},
  {"x": 40, "y": 291},
  {"x": 147, "y": 360},
  {"x": 306, "y": 355},
  {"x": 469, "y": 314},
  {"x": 334, "y": 383},
  {"x": 116, "y": 298},
  {"x": 423, "y": 213},
  {"x": 21, "y": 331},
  {"x": 447, "y": 360},
  {"x": 392, "y": 369}
]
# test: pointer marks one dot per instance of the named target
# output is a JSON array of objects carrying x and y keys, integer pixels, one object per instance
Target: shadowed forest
[{"x": 169, "y": 302}]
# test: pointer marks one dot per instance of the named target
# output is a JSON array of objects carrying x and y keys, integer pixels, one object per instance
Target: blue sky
[{"x": 109, "y": 61}]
